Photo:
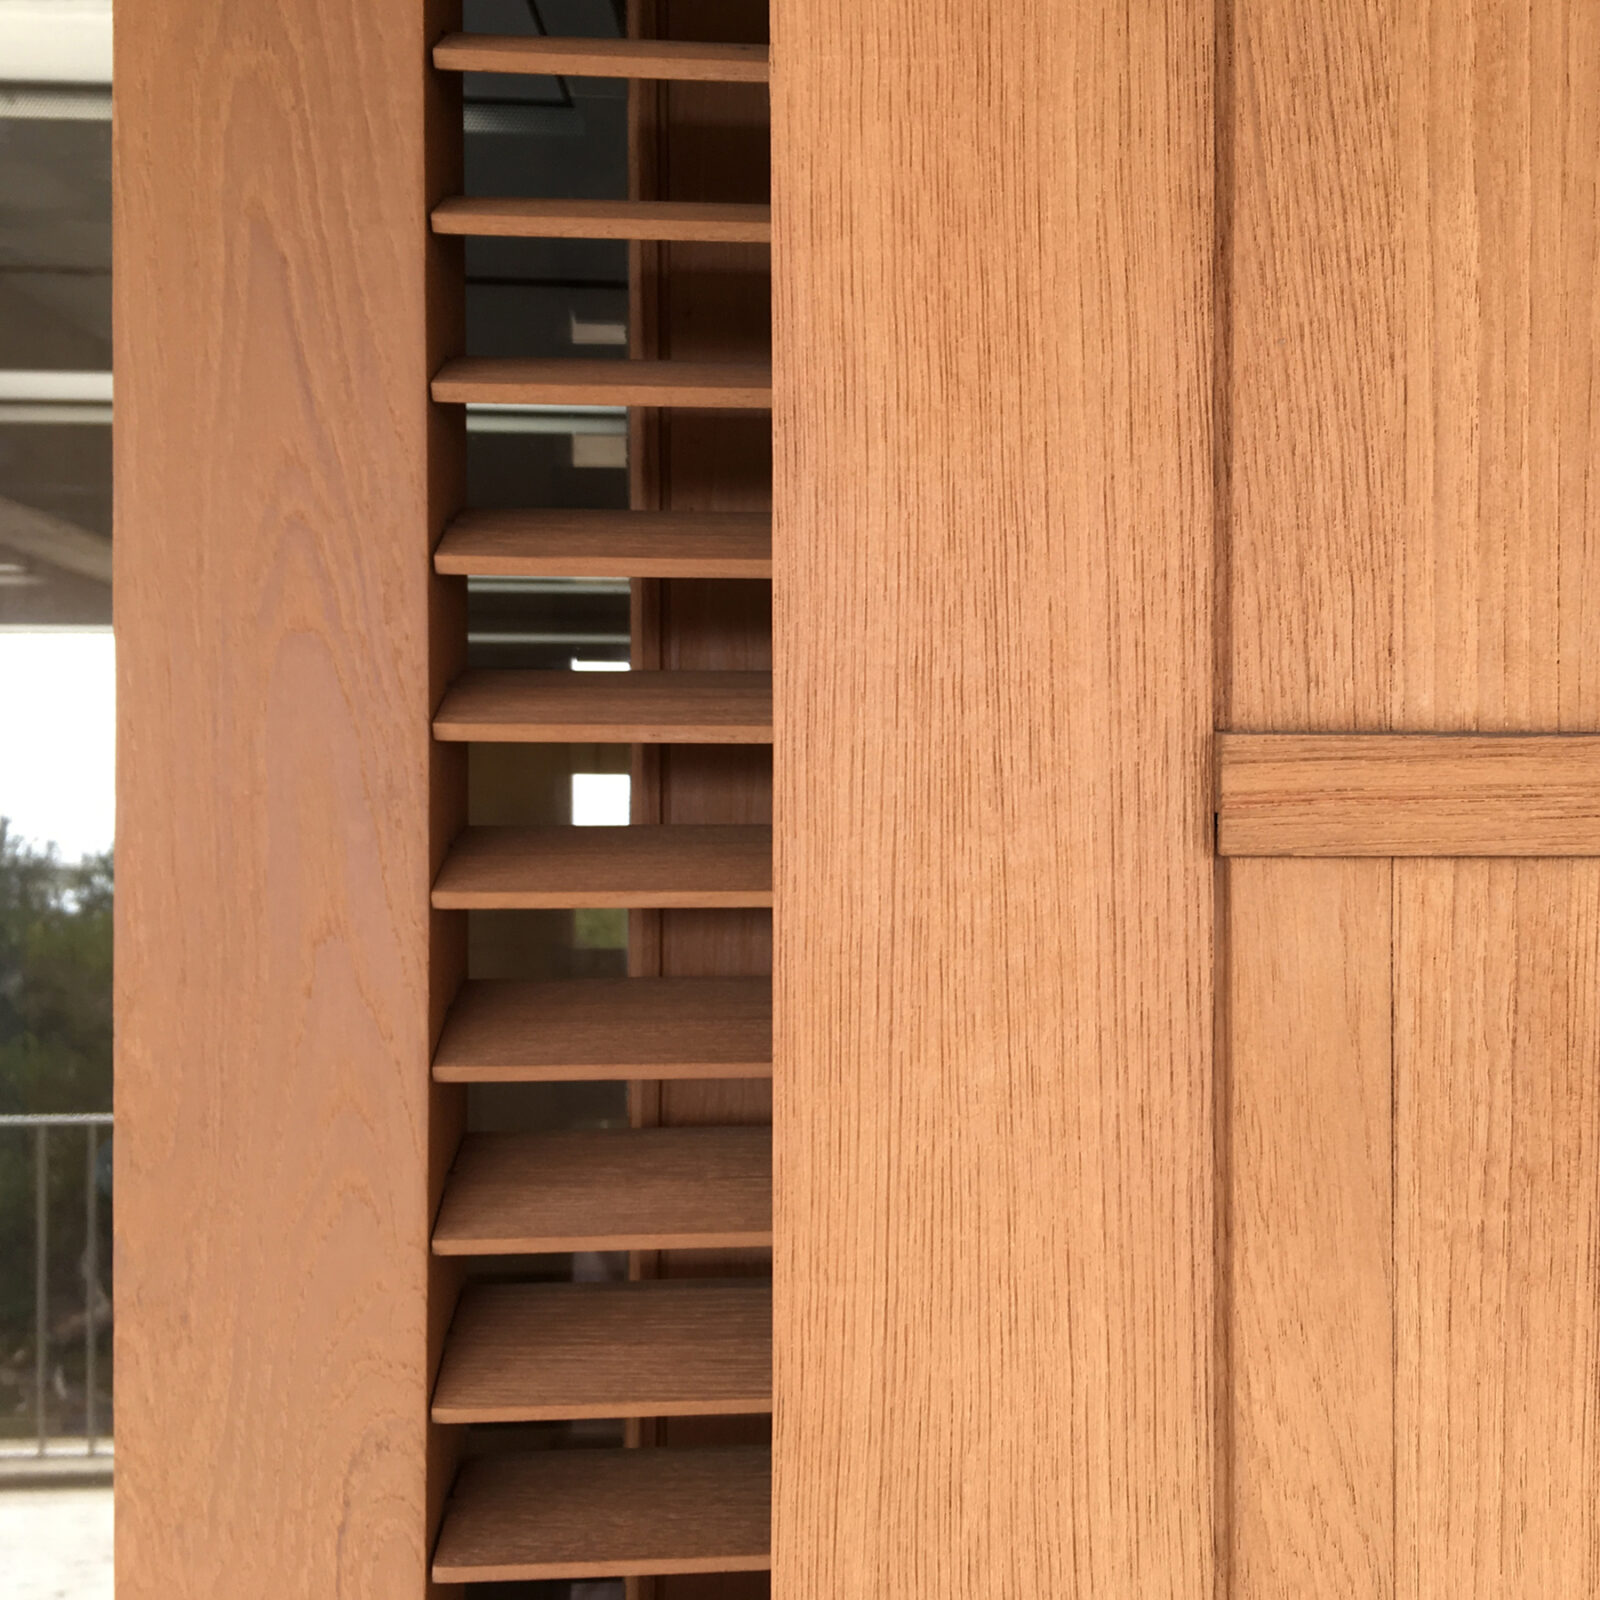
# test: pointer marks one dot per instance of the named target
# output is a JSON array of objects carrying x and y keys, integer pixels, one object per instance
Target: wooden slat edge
[
  {"x": 587, "y": 1499},
  {"x": 606, "y": 544},
  {"x": 1408, "y": 795},
  {"x": 666, "y": 220},
  {"x": 603, "y": 58},
  {"x": 511, "y": 706},
  {"x": 734, "y": 386}
]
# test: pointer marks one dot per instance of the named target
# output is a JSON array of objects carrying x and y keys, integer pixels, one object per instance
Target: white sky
[{"x": 58, "y": 737}]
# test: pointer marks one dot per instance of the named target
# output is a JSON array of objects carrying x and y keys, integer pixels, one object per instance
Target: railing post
[
  {"x": 91, "y": 1285},
  {"x": 41, "y": 1242}
]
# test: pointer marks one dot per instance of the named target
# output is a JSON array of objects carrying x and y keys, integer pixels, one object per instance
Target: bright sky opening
[{"x": 58, "y": 698}]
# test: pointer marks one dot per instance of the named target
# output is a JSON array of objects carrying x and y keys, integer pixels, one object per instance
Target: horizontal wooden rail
[
  {"x": 671, "y": 221},
  {"x": 607, "y": 1514},
  {"x": 607, "y": 544},
  {"x": 607, "y": 1028},
  {"x": 679, "y": 865},
  {"x": 704, "y": 385},
  {"x": 683, "y": 60},
  {"x": 629, "y": 1189},
  {"x": 529, "y": 707},
  {"x": 542, "y": 1352},
  {"x": 1408, "y": 795}
]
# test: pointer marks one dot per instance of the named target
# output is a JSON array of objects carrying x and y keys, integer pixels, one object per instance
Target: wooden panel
[
  {"x": 602, "y": 58},
  {"x": 521, "y": 707},
  {"x": 1407, "y": 795},
  {"x": 1311, "y": 1230},
  {"x": 608, "y": 544},
  {"x": 280, "y": 479},
  {"x": 1415, "y": 247},
  {"x": 522, "y": 1352},
  {"x": 1497, "y": 1031},
  {"x": 598, "y": 1028},
  {"x": 702, "y": 221},
  {"x": 684, "y": 864},
  {"x": 1411, "y": 270},
  {"x": 607, "y": 1514},
  {"x": 637, "y": 1189},
  {"x": 992, "y": 254},
  {"x": 720, "y": 385}
]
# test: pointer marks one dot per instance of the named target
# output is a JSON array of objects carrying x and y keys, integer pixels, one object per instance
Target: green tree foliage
[
  {"x": 55, "y": 1055},
  {"x": 55, "y": 980}
]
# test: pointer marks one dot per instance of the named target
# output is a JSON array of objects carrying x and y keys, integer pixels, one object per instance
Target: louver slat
[
  {"x": 707, "y": 385},
  {"x": 530, "y": 1352},
  {"x": 607, "y": 1028},
  {"x": 680, "y": 865},
  {"x": 671, "y": 221},
  {"x": 607, "y": 1514},
  {"x": 631, "y": 1189},
  {"x": 524, "y": 707},
  {"x": 602, "y": 58},
  {"x": 607, "y": 544}
]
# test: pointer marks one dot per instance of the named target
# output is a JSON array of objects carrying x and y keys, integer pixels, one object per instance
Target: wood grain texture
[
  {"x": 521, "y": 1352},
  {"x": 693, "y": 300},
  {"x": 704, "y": 222},
  {"x": 606, "y": 1514},
  {"x": 637, "y": 1189},
  {"x": 1407, "y": 795},
  {"x": 1415, "y": 324},
  {"x": 1409, "y": 402},
  {"x": 719, "y": 385},
  {"x": 692, "y": 61},
  {"x": 608, "y": 544},
  {"x": 707, "y": 865},
  {"x": 597, "y": 1028},
  {"x": 1497, "y": 1161},
  {"x": 523, "y": 707},
  {"x": 280, "y": 480},
  {"x": 992, "y": 254},
  {"x": 1311, "y": 1231}
]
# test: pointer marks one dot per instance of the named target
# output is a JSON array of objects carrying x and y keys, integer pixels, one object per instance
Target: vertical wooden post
[
  {"x": 280, "y": 479},
  {"x": 993, "y": 507}
]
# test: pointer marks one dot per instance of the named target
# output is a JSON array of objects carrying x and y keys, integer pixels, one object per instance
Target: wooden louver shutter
[
  {"x": 685, "y": 1359},
  {"x": 1186, "y": 1154}
]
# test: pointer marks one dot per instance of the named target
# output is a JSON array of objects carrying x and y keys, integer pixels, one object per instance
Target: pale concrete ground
[{"x": 55, "y": 1544}]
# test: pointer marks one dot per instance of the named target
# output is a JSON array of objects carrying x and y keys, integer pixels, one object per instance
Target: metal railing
[{"x": 91, "y": 1122}]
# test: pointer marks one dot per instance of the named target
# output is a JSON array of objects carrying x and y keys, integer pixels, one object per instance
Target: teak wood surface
[
  {"x": 1412, "y": 478},
  {"x": 280, "y": 978},
  {"x": 1150, "y": 1228},
  {"x": 992, "y": 250},
  {"x": 1407, "y": 794}
]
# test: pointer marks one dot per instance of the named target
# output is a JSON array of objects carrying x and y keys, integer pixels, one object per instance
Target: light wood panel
[
  {"x": 705, "y": 222},
  {"x": 281, "y": 641},
  {"x": 607, "y": 1514},
  {"x": 521, "y": 707},
  {"x": 608, "y": 544},
  {"x": 719, "y": 385},
  {"x": 705, "y": 865},
  {"x": 992, "y": 251},
  {"x": 1410, "y": 272},
  {"x": 602, "y": 58},
  {"x": 1414, "y": 243},
  {"x": 636, "y": 1189},
  {"x": 521, "y": 1352},
  {"x": 1497, "y": 1160},
  {"x": 1310, "y": 1232},
  {"x": 1407, "y": 795},
  {"x": 597, "y": 1028}
]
